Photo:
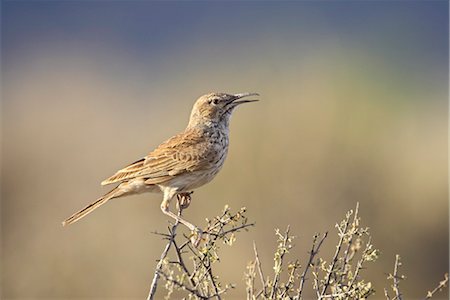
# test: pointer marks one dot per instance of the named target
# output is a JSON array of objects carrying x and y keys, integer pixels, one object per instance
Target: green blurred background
[{"x": 354, "y": 108}]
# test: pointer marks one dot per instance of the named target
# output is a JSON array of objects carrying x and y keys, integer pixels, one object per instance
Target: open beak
[{"x": 236, "y": 100}]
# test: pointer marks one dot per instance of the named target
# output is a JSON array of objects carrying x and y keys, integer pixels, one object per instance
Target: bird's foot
[{"x": 184, "y": 200}]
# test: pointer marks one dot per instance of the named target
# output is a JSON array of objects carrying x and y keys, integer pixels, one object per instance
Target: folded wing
[{"x": 182, "y": 153}]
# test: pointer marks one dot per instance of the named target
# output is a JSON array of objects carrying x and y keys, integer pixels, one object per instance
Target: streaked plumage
[{"x": 182, "y": 163}]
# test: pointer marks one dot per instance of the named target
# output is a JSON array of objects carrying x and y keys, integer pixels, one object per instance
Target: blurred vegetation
[{"x": 190, "y": 271}]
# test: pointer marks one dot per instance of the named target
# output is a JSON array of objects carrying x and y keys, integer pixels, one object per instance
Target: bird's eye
[{"x": 215, "y": 101}]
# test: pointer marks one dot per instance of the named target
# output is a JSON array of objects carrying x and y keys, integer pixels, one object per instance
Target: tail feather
[{"x": 91, "y": 207}]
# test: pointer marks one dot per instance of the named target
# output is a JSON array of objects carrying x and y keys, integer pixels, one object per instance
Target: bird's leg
[
  {"x": 196, "y": 238},
  {"x": 165, "y": 209},
  {"x": 184, "y": 200}
]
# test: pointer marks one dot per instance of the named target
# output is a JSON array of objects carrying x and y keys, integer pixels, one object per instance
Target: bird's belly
[
  {"x": 137, "y": 186},
  {"x": 202, "y": 179},
  {"x": 192, "y": 180}
]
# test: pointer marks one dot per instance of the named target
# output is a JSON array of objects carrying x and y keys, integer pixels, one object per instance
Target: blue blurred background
[{"x": 354, "y": 108}]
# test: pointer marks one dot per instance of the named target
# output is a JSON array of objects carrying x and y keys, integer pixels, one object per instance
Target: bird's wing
[{"x": 181, "y": 153}]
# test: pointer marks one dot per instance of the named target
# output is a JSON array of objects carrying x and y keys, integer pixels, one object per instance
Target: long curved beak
[{"x": 243, "y": 95}]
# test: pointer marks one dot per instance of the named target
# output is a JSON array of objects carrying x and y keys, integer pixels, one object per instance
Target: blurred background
[{"x": 354, "y": 108}]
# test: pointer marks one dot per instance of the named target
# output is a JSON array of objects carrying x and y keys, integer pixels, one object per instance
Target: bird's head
[{"x": 217, "y": 107}]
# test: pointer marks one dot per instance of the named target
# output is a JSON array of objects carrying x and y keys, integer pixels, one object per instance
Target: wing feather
[{"x": 182, "y": 153}]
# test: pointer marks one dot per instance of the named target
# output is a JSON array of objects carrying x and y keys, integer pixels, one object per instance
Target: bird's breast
[
  {"x": 218, "y": 135},
  {"x": 219, "y": 142},
  {"x": 217, "y": 149}
]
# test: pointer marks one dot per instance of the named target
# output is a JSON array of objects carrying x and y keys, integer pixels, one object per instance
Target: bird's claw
[{"x": 184, "y": 200}]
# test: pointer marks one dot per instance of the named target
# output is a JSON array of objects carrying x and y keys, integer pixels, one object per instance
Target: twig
[
  {"x": 182, "y": 264},
  {"x": 181, "y": 285},
  {"x": 347, "y": 256},
  {"x": 237, "y": 228},
  {"x": 260, "y": 271},
  {"x": 208, "y": 266},
  {"x": 396, "y": 278},
  {"x": 441, "y": 285},
  {"x": 213, "y": 281},
  {"x": 278, "y": 272},
  {"x": 386, "y": 294},
  {"x": 291, "y": 280},
  {"x": 339, "y": 295},
  {"x": 359, "y": 264},
  {"x": 312, "y": 254},
  {"x": 316, "y": 284},
  {"x": 342, "y": 234},
  {"x": 158, "y": 269},
  {"x": 250, "y": 279}
]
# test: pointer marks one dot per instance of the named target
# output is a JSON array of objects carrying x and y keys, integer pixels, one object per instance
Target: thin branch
[
  {"x": 314, "y": 251},
  {"x": 234, "y": 229},
  {"x": 260, "y": 271},
  {"x": 339, "y": 295},
  {"x": 165, "y": 235},
  {"x": 278, "y": 272},
  {"x": 158, "y": 269},
  {"x": 359, "y": 264},
  {"x": 214, "y": 284},
  {"x": 396, "y": 278},
  {"x": 441, "y": 285},
  {"x": 347, "y": 256},
  {"x": 208, "y": 266},
  {"x": 316, "y": 285},
  {"x": 342, "y": 234},
  {"x": 386, "y": 294},
  {"x": 250, "y": 279},
  {"x": 181, "y": 285},
  {"x": 182, "y": 264},
  {"x": 291, "y": 280},
  {"x": 160, "y": 263}
]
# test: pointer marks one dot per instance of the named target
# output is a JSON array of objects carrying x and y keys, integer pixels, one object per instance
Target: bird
[{"x": 182, "y": 163}]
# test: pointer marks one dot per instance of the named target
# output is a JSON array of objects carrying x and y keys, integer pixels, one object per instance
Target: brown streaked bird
[{"x": 182, "y": 163}]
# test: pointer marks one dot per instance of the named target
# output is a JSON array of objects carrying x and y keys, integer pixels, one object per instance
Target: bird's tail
[{"x": 88, "y": 209}]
